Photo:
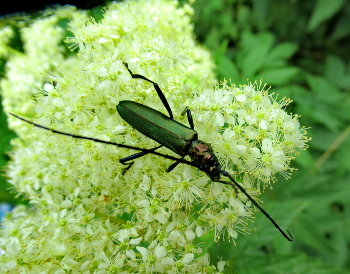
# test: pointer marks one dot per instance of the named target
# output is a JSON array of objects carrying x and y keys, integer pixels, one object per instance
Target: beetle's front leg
[{"x": 156, "y": 87}]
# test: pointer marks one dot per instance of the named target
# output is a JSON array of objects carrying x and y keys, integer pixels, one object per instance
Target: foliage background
[{"x": 302, "y": 49}]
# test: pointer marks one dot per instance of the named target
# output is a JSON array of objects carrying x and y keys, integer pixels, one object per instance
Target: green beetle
[
  {"x": 171, "y": 134},
  {"x": 179, "y": 138}
]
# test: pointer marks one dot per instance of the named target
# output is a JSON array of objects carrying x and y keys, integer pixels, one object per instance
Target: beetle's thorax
[{"x": 203, "y": 155}]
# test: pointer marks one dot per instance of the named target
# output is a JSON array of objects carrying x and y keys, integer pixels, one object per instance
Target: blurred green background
[{"x": 302, "y": 49}]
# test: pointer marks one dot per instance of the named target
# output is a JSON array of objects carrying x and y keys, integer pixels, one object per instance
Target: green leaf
[
  {"x": 336, "y": 72},
  {"x": 324, "y": 10},
  {"x": 263, "y": 231},
  {"x": 342, "y": 155},
  {"x": 294, "y": 263},
  {"x": 260, "y": 12},
  {"x": 278, "y": 76},
  {"x": 322, "y": 138},
  {"x": 280, "y": 53},
  {"x": 340, "y": 31},
  {"x": 228, "y": 70},
  {"x": 305, "y": 159},
  {"x": 324, "y": 114},
  {"x": 97, "y": 13},
  {"x": 323, "y": 89},
  {"x": 311, "y": 234},
  {"x": 5, "y": 147},
  {"x": 282, "y": 212},
  {"x": 256, "y": 49},
  {"x": 323, "y": 225}
]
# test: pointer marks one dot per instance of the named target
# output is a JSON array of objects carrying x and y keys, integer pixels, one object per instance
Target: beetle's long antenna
[
  {"x": 235, "y": 184},
  {"x": 106, "y": 142}
]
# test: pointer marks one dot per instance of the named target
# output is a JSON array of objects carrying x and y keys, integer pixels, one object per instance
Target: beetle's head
[{"x": 204, "y": 157}]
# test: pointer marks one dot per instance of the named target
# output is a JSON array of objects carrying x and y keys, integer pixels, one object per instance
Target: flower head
[{"x": 91, "y": 215}]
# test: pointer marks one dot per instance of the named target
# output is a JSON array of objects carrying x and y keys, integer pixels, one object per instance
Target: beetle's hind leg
[
  {"x": 175, "y": 164},
  {"x": 129, "y": 165},
  {"x": 138, "y": 155},
  {"x": 229, "y": 183},
  {"x": 156, "y": 87},
  {"x": 135, "y": 156}
]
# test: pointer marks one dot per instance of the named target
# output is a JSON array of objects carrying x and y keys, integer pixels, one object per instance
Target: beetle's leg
[
  {"x": 138, "y": 155},
  {"x": 175, "y": 164},
  {"x": 156, "y": 87},
  {"x": 189, "y": 116},
  {"x": 229, "y": 183},
  {"x": 129, "y": 165}
]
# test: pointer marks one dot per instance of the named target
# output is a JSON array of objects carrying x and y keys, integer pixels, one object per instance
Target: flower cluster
[
  {"x": 27, "y": 71},
  {"x": 90, "y": 215},
  {"x": 252, "y": 131}
]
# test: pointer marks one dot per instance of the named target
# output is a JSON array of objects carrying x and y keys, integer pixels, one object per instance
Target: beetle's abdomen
[{"x": 157, "y": 126}]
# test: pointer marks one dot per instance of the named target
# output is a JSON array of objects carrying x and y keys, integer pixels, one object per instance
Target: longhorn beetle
[{"x": 167, "y": 132}]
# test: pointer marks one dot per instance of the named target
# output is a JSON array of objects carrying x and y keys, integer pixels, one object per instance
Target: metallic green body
[{"x": 157, "y": 126}]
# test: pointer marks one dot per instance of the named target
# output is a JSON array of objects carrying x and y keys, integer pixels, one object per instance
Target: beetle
[{"x": 169, "y": 133}]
